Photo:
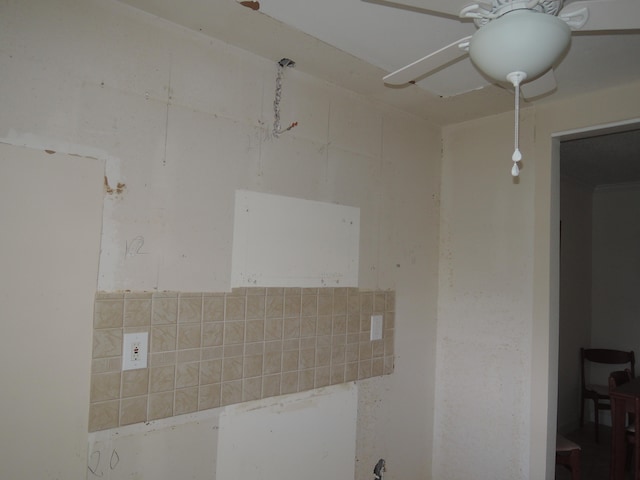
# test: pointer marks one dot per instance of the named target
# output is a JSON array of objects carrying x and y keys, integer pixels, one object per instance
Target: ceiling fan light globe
[{"x": 522, "y": 40}]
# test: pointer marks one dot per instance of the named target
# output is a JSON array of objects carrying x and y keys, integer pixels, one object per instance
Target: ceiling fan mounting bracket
[{"x": 483, "y": 13}]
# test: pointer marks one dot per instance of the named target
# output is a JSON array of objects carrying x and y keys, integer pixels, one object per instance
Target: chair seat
[
  {"x": 601, "y": 390},
  {"x": 565, "y": 445}
]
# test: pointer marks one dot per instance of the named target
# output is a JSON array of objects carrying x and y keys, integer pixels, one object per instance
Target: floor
[{"x": 595, "y": 456}]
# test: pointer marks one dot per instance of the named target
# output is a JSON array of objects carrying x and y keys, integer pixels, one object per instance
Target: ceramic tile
[
  {"x": 306, "y": 379},
  {"x": 255, "y": 307},
  {"x": 233, "y": 333},
  {"x": 337, "y": 374},
  {"x": 353, "y": 323},
  {"x": 307, "y": 358},
  {"x": 338, "y": 354},
  {"x": 212, "y": 334},
  {"x": 133, "y": 410},
  {"x": 234, "y": 308},
  {"x": 231, "y": 392},
  {"x": 107, "y": 343},
  {"x": 290, "y": 360},
  {"x": 291, "y": 328},
  {"x": 105, "y": 386},
  {"x": 339, "y": 304},
  {"x": 160, "y": 405},
  {"x": 186, "y": 400},
  {"x": 365, "y": 322},
  {"x": 108, "y": 313},
  {"x": 211, "y": 353},
  {"x": 377, "y": 367},
  {"x": 251, "y": 389},
  {"x": 273, "y": 329},
  {"x": 200, "y": 359},
  {"x": 325, "y": 304},
  {"x": 308, "y": 326},
  {"x": 104, "y": 415},
  {"x": 275, "y": 305},
  {"x": 309, "y": 307},
  {"x": 351, "y": 372},
  {"x": 137, "y": 312},
  {"x": 232, "y": 368},
  {"x": 187, "y": 374},
  {"x": 159, "y": 359},
  {"x": 323, "y": 356},
  {"x": 162, "y": 379},
  {"x": 189, "y": 336},
  {"x": 135, "y": 382},
  {"x": 323, "y": 377},
  {"x": 292, "y": 305},
  {"x": 209, "y": 396},
  {"x": 252, "y": 366},
  {"x": 365, "y": 351},
  {"x": 163, "y": 338},
  {"x": 164, "y": 310},
  {"x": 324, "y": 325},
  {"x": 364, "y": 369},
  {"x": 190, "y": 309},
  {"x": 270, "y": 386},
  {"x": 212, "y": 309},
  {"x": 188, "y": 356},
  {"x": 272, "y": 363},
  {"x": 339, "y": 324},
  {"x": 390, "y": 301},
  {"x": 254, "y": 331},
  {"x": 256, "y": 348},
  {"x": 289, "y": 382},
  {"x": 377, "y": 348},
  {"x": 210, "y": 372}
]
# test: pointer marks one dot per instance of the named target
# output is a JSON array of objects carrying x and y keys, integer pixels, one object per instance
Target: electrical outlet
[
  {"x": 376, "y": 327},
  {"x": 134, "y": 351}
]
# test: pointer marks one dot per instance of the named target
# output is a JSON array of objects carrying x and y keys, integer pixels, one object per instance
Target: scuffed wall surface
[
  {"x": 484, "y": 308},
  {"x": 182, "y": 121}
]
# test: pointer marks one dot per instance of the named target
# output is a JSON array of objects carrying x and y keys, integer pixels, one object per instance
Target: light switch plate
[
  {"x": 376, "y": 327},
  {"x": 134, "y": 350}
]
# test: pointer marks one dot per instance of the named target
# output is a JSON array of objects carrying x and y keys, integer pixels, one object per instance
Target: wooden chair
[
  {"x": 616, "y": 379},
  {"x": 568, "y": 455},
  {"x": 599, "y": 394}
]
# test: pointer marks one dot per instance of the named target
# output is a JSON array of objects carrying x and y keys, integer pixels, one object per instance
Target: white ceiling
[{"x": 354, "y": 43}]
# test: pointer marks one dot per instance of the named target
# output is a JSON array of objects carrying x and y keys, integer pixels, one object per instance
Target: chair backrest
[
  {"x": 607, "y": 356},
  {"x": 619, "y": 377}
]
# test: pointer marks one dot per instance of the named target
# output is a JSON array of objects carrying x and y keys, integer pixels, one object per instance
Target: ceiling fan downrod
[{"x": 516, "y": 79}]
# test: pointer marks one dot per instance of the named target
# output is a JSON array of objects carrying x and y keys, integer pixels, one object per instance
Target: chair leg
[
  {"x": 582, "y": 413},
  {"x": 595, "y": 409},
  {"x": 575, "y": 465}
]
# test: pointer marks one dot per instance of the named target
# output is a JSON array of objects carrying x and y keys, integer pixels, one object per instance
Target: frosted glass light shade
[{"x": 521, "y": 40}]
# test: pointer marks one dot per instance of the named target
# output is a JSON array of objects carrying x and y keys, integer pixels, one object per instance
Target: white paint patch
[{"x": 310, "y": 435}]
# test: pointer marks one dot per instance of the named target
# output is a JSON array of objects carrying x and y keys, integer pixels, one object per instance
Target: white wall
[
  {"x": 182, "y": 121},
  {"x": 576, "y": 201},
  {"x": 50, "y": 212},
  {"x": 496, "y": 386}
]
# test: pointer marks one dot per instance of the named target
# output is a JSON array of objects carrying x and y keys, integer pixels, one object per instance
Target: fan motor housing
[{"x": 522, "y": 40}]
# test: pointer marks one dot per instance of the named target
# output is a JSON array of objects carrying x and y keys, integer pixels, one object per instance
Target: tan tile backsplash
[{"x": 208, "y": 350}]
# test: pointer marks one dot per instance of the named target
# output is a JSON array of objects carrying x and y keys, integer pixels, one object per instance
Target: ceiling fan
[{"x": 517, "y": 41}]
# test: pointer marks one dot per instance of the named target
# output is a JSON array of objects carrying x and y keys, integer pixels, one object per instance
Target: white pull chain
[{"x": 516, "y": 78}]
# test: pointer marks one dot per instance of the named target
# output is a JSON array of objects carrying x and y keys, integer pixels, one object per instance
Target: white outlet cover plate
[
  {"x": 130, "y": 340},
  {"x": 376, "y": 327}
]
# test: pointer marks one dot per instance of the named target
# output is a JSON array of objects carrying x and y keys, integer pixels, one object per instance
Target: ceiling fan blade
[
  {"x": 602, "y": 15},
  {"x": 428, "y": 64},
  {"x": 446, "y": 7},
  {"x": 541, "y": 85}
]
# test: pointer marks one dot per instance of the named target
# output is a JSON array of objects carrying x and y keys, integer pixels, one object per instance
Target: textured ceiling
[{"x": 354, "y": 43}]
